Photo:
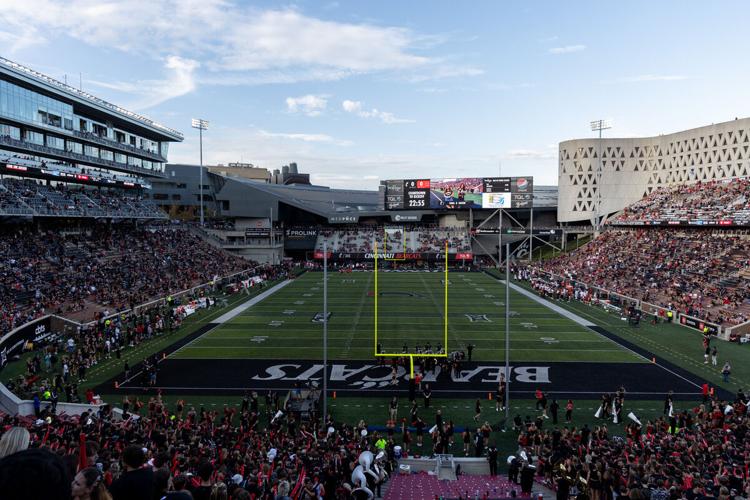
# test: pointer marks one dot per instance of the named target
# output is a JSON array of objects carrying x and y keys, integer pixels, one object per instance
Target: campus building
[{"x": 631, "y": 168}]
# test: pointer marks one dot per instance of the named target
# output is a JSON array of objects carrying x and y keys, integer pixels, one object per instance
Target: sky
[{"x": 356, "y": 92}]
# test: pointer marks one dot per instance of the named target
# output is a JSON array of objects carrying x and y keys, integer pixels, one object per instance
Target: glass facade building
[{"x": 53, "y": 122}]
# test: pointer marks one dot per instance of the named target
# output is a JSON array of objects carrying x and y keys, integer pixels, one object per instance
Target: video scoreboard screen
[{"x": 460, "y": 193}]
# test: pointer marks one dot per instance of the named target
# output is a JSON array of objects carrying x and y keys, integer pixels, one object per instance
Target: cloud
[
  {"x": 287, "y": 38},
  {"x": 324, "y": 138},
  {"x": 567, "y": 49},
  {"x": 235, "y": 43},
  {"x": 311, "y": 105},
  {"x": 433, "y": 90},
  {"x": 531, "y": 154},
  {"x": 148, "y": 93},
  {"x": 648, "y": 78},
  {"x": 355, "y": 107}
]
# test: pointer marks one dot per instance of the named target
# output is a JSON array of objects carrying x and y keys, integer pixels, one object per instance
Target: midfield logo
[
  {"x": 478, "y": 317},
  {"x": 319, "y": 317}
]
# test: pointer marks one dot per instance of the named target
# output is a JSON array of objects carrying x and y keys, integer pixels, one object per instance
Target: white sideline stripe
[
  {"x": 244, "y": 306},
  {"x": 574, "y": 317},
  {"x": 236, "y": 311},
  {"x": 559, "y": 310}
]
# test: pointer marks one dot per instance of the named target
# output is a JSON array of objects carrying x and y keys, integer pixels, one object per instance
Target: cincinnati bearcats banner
[{"x": 439, "y": 257}]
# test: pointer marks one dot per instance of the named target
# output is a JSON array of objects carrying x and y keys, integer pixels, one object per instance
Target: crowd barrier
[
  {"x": 741, "y": 330},
  {"x": 13, "y": 405}
]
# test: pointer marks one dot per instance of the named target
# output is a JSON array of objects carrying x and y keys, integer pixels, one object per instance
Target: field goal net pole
[{"x": 411, "y": 356}]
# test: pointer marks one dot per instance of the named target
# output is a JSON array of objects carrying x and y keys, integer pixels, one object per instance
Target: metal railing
[
  {"x": 88, "y": 136},
  {"x": 70, "y": 155}
]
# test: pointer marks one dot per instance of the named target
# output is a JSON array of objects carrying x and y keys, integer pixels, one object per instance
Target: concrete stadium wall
[
  {"x": 12, "y": 404},
  {"x": 632, "y": 168}
]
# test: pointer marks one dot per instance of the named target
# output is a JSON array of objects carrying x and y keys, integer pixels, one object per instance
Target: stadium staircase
[{"x": 445, "y": 468}]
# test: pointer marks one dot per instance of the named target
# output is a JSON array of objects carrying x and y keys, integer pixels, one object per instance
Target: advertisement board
[
  {"x": 459, "y": 193},
  {"x": 699, "y": 325},
  {"x": 424, "y": 256},
  {"x": 37, "y": 332}
]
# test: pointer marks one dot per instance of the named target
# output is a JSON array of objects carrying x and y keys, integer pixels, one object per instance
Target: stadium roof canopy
[{"x": 328, "y": 202}]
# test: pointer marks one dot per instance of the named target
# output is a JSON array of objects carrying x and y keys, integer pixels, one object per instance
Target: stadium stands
[
  {"x": 715, "y": 201},
  {"x": 28, "y": 197},
  {"x": 360, "y": 239},
  {"x": 79, "y": 272},
  {"x": 699, "y": 273}
]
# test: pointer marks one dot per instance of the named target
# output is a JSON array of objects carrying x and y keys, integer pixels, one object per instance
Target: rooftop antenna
[
  {"x": 80, "y": 81},
  {"x": 65, "y": 78}
]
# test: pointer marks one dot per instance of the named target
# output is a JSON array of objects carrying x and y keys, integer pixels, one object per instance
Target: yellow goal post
[{"x": 445, "y": 320}]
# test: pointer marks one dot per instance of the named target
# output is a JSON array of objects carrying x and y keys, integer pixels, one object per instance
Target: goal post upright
[
  {"x": 376, "y": 299},
  {"x": 445, "y": 322},
  {"x": 411, "y": 356}
]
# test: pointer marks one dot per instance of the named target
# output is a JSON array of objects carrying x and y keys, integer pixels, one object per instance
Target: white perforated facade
[{"x": 632, "y": 168}]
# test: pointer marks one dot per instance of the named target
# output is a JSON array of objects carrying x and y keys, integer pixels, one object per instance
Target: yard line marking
[{"x": 353, "y": 329}]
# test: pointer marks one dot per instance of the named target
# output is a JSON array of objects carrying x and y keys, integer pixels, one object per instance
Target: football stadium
[{"x": 225, "y": 331}]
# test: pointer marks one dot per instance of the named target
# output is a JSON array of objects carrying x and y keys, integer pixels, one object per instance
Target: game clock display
[
  {"x": 459, "y": 193},
  {"x": 416, "y": 194}
]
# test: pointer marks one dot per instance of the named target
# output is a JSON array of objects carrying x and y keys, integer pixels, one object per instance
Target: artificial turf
[{"x": 411, "y": 312}]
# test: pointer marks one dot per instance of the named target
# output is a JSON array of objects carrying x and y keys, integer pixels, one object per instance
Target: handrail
[
  {"x": 88, "y": 160},
  {"x": 89, "y": 136}
]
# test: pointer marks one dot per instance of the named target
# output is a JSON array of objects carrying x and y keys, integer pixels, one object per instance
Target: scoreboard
[{"x": 459, "y": 193}]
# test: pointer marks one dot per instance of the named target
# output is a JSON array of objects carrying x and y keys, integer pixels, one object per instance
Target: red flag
[
  {"x": 46, "y": 436},
  {"x": 83, "y": 460}
]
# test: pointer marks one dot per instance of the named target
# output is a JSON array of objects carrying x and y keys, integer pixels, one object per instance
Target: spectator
[
  {"x": 14, "y": 440},
  {"x": 34, "y": 473},
  {"x": 88, "y": 485},
  {"x": 137, "y": 481}
]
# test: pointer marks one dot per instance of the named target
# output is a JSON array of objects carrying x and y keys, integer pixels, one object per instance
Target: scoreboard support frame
[{"x": 411, "y": 356}]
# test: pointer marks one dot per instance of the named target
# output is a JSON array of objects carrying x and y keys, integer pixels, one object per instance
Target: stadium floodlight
[
  {"x": 201, "y": 125},
  {"x": 598, "y": 126}
]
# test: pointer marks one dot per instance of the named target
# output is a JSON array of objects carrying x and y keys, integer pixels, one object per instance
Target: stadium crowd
[
  {"x": 707, "y": 201},
  {"x": 152, "y": 453},
  {"x": 692, "y": 271},
  {"x": 413, "y": 238},
  {"x": 700, "y": 453},
  {"x": 100, "y": 269}
]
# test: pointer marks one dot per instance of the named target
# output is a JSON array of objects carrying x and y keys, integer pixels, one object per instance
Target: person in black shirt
[
  {"x": 137, "y": 481},
  {"x": 469, "y": 350},
  {"x": 553, "y": 410},
  {"x": 419, "y": 425},
  {"x": 427, "y": 394},
  {"x": 492, "y": 458},
  {"x": 478, "y": 443}
]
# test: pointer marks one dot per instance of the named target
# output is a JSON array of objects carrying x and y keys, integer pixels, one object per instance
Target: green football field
[{"x": 410, "y": 311}]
